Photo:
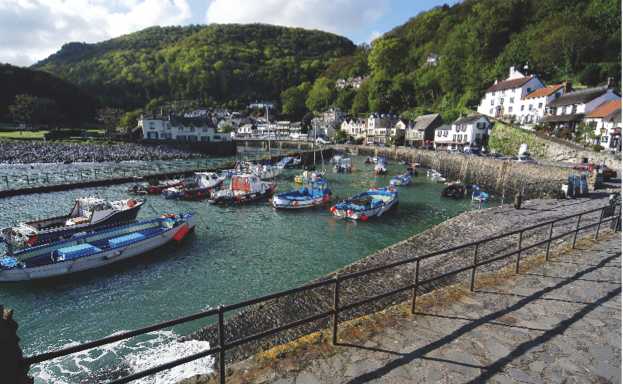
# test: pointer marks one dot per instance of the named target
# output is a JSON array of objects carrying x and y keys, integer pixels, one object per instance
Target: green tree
[
  {"x": 360, "y": 101},
  {"x": 129, "y": 120},
  {"x": 30, "y": 110},
  {"x": 293, "y": 101},
  {"x": 344, "y": 100},
  {"x": 321, "y": 95}
]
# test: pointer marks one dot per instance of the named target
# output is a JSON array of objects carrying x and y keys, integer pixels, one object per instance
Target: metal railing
[{"x": 609, "y": 213}]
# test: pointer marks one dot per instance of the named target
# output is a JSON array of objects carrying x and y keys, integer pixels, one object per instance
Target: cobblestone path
[{"x": 558, "y": 323}]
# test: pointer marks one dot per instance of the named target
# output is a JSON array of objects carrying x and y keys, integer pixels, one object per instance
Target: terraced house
[
  {"x": 466, "y": 133},
  {"x": 606, "y": 122},
  {"x": 180, "y": 129}
]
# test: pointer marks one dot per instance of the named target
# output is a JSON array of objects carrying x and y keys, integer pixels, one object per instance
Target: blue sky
[{"x": 34, "y": 29}]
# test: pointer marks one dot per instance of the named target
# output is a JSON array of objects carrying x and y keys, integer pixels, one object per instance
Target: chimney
[
  {"x": 511, "y": 71},
  {"x": 610, "y": 83}
]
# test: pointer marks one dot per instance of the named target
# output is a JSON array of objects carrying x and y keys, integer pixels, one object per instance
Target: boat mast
[{"x": 268, "y": 127}]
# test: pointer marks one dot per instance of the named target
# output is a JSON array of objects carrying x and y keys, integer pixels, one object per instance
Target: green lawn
[{"x": 22, "y": 134}]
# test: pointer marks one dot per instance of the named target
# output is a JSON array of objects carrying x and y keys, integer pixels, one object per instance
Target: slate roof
[
  {"x": 562, "y": 118},
  {"x": 579, "y": 97},
  {"x": 545, "y": 91},
  {"x": 468, "y": 119},
  {"x": 605, "y": 109},
  {"x": 509, "y": 84},
  {"x": 444, "y": 127},
  {"x": 424, "y": 121}
]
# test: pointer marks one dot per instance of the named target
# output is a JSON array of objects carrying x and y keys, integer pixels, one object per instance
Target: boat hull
[
  {"x": 120, "y": 217},
  {"x": 97, "y": 260},
  {"x": 281, "y": 203}
]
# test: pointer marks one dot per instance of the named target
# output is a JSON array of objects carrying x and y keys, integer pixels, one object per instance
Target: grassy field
[
  {"x": 506, "y": 140},
  {"x": 22, "y": 134}
]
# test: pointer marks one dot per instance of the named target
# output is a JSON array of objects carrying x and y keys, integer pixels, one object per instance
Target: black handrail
[{"x": 335, "y": 282}]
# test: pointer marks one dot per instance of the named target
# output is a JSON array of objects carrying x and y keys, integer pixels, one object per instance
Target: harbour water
[{"x": 236, "y": 253}]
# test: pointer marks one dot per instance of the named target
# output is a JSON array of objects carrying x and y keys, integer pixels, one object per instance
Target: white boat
[
  {"x": 381, "y": 166},
  {"x": 344, "y": 165},
  {"x": 263, "y": 171},
  {"x": 435, "y": 176},
  {"x": 243, "y": 189},
  {"x": 93, "y": 250},
  {"x": 88, "y": 213},
  {"x": 372, "y": 203}
]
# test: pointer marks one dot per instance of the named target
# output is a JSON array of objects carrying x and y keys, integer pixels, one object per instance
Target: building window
[
  {"x": 491, "y": 111},
  {"x": 522, "y": 107},
  {"x": 540, "y": 105},
  {"x": 510, "y": 109},
  {"x": 502, "y": 100},
  {"x": 529, "y": 107},
  {"x": 511, "y": 100},
  {"x": 529, "y": 90},
  {"x": 491, "y": 102},
  {"x": 438, "y": 133},
  {"x": 604, "y": 139}
]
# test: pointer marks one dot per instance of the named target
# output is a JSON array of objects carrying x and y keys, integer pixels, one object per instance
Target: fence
[{"x": 607, "y": 214}]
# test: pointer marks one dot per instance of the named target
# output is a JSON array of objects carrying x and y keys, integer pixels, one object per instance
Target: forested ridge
[
  {"x": 221, "y": 64},
  {"x": 475, "y": 42}
]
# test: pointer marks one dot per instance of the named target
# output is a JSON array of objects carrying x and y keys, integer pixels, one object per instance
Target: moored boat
[
  {"x": 344, "y": 165},
  {"x": 307, "y": 176},
  {"x": 478, "y": 195},
  {"x": 435, "y": 176},
  {"x": 373, "y": 203},
  {"x": 313, "y": 194},
  {"x": 197, "y": 188},
  {"x": 455, "y": 190},
  {"x": 243, "y": 189},
  {"x": 88, "y": 213},
  {"x": 400, "y": 180},
  {"x": 94, "y": 249},
  {"x": 381, "y": 166},
  {"x": 156, "y": 189}
]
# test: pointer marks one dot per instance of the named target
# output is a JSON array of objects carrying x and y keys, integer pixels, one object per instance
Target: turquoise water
[{"x": 236, "y": 253}]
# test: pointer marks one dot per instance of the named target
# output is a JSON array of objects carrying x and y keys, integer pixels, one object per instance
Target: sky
[{"x": 31, "y": 30}]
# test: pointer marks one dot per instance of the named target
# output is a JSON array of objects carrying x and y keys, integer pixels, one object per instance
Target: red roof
[
  {"x": 605, "y": 109},
  {"x": 509, "y": 84},
  {"x": 545, "y": 91}
]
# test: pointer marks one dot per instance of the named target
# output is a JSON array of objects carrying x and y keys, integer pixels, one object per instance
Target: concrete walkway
[{"x": 558, "y": 323}]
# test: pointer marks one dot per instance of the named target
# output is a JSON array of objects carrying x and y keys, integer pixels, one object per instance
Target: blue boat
[
  {"x": 313, "y": 194},
  {"x": 478, "y": 195},
  {"x": 93, "y": 249},
  {"x": 400, "y": 180},
  {"x": 373, "y": 203}
]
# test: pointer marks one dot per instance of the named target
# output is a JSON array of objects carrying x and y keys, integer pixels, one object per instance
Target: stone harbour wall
[
  {"x": 501, "y": 177},
  {"x": 467, "y": 227}
]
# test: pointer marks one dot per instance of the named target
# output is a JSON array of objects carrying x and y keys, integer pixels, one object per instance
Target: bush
[{"x": 597, "y": 148}]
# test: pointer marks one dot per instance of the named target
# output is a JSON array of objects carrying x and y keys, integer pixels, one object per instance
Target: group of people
[{"x": 21, "y": 152}]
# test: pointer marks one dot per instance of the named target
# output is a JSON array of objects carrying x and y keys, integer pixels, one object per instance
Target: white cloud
[
  {"x": 374, "y": 35},
  {"x": 33, "y": 29},
  {"x": 339, "y": 16}
]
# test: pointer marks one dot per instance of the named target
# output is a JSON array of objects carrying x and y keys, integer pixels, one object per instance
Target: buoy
[{"x": 363, "y": 218}]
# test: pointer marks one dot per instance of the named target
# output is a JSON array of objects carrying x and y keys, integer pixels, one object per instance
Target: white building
[
  {"x": 379, "y": 128},
  {"x": 567, "y": 111},
  {"x": 504, "y": 98},
  {"x": 246, "y": 130},
  {"x": 465, "y": 132},
  {"x": 182, "y": 129},
  {"x": 355, "y": 128},
  {"x": 606, "y": 121},
  {"x": 534, "y": 105}
]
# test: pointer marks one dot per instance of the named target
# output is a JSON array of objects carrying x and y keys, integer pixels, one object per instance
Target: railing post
[
  {"x": 6, "y": 181},
  {"x": 549, "y": 241},
  {"x": 416, "y": 283},
  {"x": 336, "y": 307},
  {"x": 601, "y": 217},
  {"x": 473, "y": 282},
  {"x": 577, "y": 228},
  {"x": 221, "y": 343},
  {"x": 518, "y": 252}
]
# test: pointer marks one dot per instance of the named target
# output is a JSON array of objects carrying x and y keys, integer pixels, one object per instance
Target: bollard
[
  {"x": 518, "y": 200},
  {"x": 12, "y": 365}
]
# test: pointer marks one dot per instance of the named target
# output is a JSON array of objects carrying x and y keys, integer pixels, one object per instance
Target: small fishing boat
[
  {"x": 412, "y": 168},
  {"x": 94, "y": 249},
  {"x": 478, "y": 195},
  {"x": 138, "y": 189},
  {"x": 381, "y": 166},
  {"x": 435, "y": 176},
  {"x": 313, "y": 194},
  {"x": 197, "y": 188},
  {"x": 88, "y": 213},
  {"x": 308, "y": 176},
  {"x": 344, "y": 165},
  {"x": 265, "y": 172},
  {"x": 243, "y": 189},
  {"x": 400, "y": 180},
  {"x": 289, "y": 162},
  {"x": 156, "y": 189},
  {"x": 373, "y": 203},
  {"x": 455, "y": 190}
]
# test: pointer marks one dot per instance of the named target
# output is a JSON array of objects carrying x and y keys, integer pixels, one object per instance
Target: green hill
[
  {"x": 476, "y": 41},
  {"x": 72, "y": 105},
  {"x": 229, "y": 63}
]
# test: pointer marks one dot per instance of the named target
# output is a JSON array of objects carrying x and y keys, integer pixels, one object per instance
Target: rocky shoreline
[{"x": 467, "y": 227}]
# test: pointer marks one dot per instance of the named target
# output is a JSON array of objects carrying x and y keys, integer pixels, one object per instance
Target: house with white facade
[
  {"x": 465, "y": 132},
  {"x": 504, "y": 98},
  {"x": 181, "y": 129},
  {"x": 379, "y": 128},
  {"x": 533, "y": 105},
  {"x": 567, "y": 111},
  {"x": 421, "y": 132},
  {"x": 355, "y": 128},
  {"x": 246, "y": 130},
  {"x": 606, "y": 122}
]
